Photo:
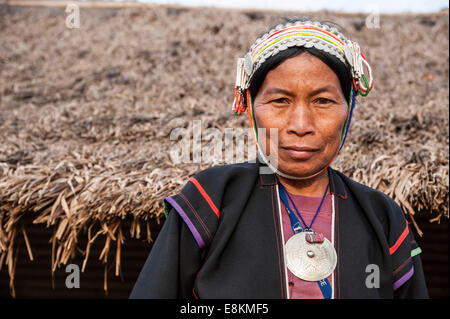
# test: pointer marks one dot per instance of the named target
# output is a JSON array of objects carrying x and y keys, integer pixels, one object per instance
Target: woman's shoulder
[
  {"x": 378, "y": 207},
  {"x": 388, "y": 222},
  {"x": 219, "y": 178},
  {"x": 367, "y": 193},
  {"x": 243, "y": 169},
  {"x": 376, "y": 204},
  {"x": 200, "y": 201}
]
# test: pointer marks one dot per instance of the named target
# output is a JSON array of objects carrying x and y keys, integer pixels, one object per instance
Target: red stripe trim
[
  {"x": 205, "y": 196},
  {"x": 399, "y": 240},
  {"x": 195, "y": 295}
]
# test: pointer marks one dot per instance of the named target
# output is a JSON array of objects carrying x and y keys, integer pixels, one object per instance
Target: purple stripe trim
[
  {"x": 405, "y": 277},
  {"x": 188, "y": 222},
  {"x": 403, "y": 265}
]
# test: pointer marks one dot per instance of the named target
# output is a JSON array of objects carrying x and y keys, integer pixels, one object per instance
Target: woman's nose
[{"x": 300, "y": 120}]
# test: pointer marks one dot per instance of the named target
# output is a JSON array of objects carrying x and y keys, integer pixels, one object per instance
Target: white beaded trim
[{"x": 248, "y": 65}]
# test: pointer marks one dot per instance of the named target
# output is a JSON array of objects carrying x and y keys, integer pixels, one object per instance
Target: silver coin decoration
[
  {"x": 310, "y": 261},
  {"x": 348, "y": 54},
  {"x": 248, "y": 64}
]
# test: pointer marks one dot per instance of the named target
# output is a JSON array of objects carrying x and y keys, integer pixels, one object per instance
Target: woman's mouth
[{"x": 301, "y": 153}]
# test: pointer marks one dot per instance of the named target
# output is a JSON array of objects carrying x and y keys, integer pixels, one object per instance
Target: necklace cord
[{"x": 283, "y": 189}]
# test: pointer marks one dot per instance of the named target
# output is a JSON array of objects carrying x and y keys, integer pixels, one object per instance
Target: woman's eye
[
  {"x": 280, "y": 100},
  {"x": 322, "y": 100}
]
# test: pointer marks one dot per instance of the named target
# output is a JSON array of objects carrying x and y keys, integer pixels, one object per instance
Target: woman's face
[{"x": 303, "y": 99}]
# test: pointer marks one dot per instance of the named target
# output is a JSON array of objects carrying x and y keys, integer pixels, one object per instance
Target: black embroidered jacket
[{"x": 223, "y": 239}]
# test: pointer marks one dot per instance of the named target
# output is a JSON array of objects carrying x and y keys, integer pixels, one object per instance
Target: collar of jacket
[{"x": 336, "y": 184}]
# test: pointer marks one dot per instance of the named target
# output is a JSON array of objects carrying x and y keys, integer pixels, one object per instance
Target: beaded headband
[{"x": 306, "y": 34}]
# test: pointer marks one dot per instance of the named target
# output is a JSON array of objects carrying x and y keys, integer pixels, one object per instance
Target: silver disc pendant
[{"x": 310, "y": 261}]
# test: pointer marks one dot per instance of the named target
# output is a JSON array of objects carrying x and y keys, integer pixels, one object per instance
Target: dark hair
[{"x": 341, "y": 70}]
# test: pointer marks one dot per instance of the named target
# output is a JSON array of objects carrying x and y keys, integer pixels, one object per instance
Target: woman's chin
[{"x": 298, "y": 170}]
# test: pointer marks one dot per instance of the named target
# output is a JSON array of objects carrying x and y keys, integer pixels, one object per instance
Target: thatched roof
[{"x": 85, "y": 114}]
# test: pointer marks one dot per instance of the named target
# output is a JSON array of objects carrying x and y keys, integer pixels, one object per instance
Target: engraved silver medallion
[
  {"x": 248, "y": 64},
  {"x": 310, "y": 260},
  {"x": 348, "y": 54}
]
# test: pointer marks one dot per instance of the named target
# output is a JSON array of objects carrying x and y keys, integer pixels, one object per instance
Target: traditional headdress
[{"x": 306, "y": 34}]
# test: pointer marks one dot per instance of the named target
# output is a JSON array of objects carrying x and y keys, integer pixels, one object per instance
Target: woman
[{"x": 299, "y": 229}]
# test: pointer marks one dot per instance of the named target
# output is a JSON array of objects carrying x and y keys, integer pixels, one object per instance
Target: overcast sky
[{"x": 369, "y": 6}]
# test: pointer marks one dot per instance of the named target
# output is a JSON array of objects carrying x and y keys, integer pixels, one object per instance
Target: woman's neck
[{"x": 313, "y": 187}]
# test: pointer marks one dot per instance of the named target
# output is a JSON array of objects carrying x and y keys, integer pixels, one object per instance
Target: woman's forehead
[{"x": 302, "y": 70}]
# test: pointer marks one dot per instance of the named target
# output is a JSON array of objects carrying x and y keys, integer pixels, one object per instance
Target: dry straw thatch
[{"x": 85, "y": 115}]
